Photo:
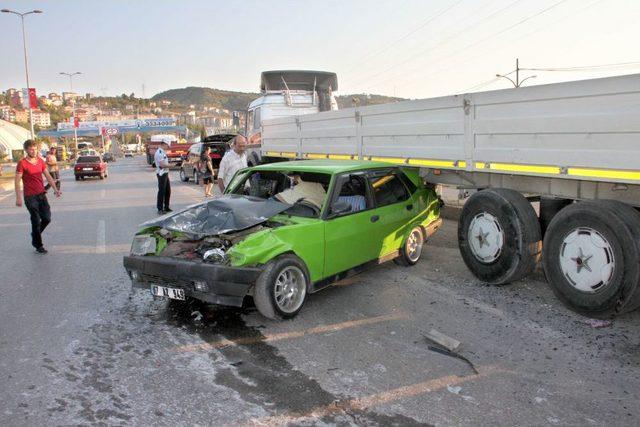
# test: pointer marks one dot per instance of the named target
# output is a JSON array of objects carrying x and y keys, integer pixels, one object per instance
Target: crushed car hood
[{"x": 225, "y": 214}]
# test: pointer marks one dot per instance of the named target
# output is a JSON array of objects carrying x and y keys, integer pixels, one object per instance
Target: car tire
[
  {"x": 77, "y": 178},
  {"x": 607, "y": 234},
  {"x": 82, "y": 177},
  {"x": 183, "y": 176},
  {"x": 411, "y": 248},
  {"x": 510, "y": 231},
  {"x": 196, "y": 177},
  {"x": 281, "y": 289}
]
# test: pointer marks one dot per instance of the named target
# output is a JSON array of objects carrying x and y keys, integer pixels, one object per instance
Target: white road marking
[
  {"x": 101, "y": 240},
  {"x": 5, "y": 196}
]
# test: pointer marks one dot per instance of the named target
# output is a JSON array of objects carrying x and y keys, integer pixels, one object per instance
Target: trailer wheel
[
  {"x": 499, "y": 236},
  {"x": 281, "y": 289},
  {"x": 591, "y": 257}
]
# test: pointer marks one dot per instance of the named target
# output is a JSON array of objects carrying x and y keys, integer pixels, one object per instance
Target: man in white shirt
[
  {"x": 162, "y": 172},
  {"x": 233, "y": 160}
]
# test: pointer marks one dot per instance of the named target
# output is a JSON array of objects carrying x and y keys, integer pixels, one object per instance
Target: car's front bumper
[{"x": 225, "y": 285}]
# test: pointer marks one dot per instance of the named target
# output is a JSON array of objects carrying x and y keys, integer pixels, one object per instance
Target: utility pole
[
  {"x": 26, "y": 64},
  {"x": 75, "y": 130},
  {"x": 517, "y": 83}
]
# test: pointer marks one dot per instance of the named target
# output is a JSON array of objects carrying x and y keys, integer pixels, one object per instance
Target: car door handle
[
  {"x": 375, "y": 218},
  {"x": 409, "y": 207}
]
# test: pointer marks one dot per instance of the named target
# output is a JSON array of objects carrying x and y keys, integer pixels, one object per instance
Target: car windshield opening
[{"x": 304, "y": 191}]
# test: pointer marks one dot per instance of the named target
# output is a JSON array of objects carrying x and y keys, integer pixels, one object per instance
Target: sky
[{"x": 405, "y": 48}]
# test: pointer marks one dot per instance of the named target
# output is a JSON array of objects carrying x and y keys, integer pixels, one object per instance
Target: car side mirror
[{"x": 339, "y": 208}]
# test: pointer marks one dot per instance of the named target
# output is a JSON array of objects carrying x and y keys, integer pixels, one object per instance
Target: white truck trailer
[{"x": 573, "y": 147}]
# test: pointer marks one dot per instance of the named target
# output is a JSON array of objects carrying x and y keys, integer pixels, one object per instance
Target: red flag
[
  {"x": 76, "y": 122},
  {"x": 33, "y": 99}
]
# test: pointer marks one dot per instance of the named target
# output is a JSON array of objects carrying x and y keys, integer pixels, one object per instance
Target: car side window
[
  {"x": 387, "y": 188},
  {"x": 350, "y": 196}
]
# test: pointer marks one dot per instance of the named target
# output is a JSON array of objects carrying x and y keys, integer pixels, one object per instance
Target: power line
[
  {"x": 586, "y": 67},
  {"x": 410, "y": 33},
  {"x": 522, "y": 21},
  {"x": 446, "y": 40}
]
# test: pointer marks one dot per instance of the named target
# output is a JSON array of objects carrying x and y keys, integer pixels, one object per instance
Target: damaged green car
[{"x": 283, "y": 231}]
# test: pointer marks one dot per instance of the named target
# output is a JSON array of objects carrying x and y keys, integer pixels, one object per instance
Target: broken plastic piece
[{"x": 443, "y": 340}]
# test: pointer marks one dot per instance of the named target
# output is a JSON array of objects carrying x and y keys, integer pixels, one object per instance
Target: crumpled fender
[{"x": 257, "y": 249}]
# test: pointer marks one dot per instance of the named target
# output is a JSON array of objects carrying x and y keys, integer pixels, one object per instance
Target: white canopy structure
[{"x": 11, "y": 138}]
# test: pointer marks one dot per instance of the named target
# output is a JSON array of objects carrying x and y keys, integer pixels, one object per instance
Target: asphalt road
[{"x": 78, "y": 346}]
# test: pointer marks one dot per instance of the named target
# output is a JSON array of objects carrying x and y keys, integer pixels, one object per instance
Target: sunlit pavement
[{"x": 78, "y": 346}]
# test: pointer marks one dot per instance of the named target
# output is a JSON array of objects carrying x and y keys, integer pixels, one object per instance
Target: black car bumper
[{"x": 224, "y": 285}]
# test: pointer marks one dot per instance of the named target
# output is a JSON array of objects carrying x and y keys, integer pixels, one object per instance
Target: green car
[{"x": 285, "y": 230}]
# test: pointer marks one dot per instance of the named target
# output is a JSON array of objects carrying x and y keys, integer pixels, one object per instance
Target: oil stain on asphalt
[{"x": 260, "y": 374}]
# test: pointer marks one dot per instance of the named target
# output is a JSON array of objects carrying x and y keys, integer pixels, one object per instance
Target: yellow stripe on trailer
[
  {"x": 396, "y": 160},
  {"x": 509, "y": 167},
  {"x": 435, "y": 163},
  {"x": 341, "y": 156},
  {"x": 605, "y": 173},
  {"x": 287, "y": 154},
  {"x": 314, "y": 156}
]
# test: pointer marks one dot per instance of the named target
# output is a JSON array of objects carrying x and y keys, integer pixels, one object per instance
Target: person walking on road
[
  {"x": 29, "y": 172},
  {"x": 207, "y": 170},
  {"x": 162, "y": 172},
  {"x": 52, "y": 166},
  {"x": 233, "y": 160}
]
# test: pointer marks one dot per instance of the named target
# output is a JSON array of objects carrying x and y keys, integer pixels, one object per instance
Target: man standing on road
[
  {"x": 29, "y": 172},
  {"x": 52, "y": 165},
  {"x": 162, "y": 172},
  {"x": 233, "y": 160}
]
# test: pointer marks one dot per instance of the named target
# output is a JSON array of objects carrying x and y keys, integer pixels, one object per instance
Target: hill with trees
[{"x": 231, "y": 100}]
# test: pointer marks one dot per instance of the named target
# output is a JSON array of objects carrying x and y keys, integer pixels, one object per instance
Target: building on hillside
[
  {"x": 69, "y": 96},
  {"x": 43, "y": 100},
  {"x": 22, "y": 116},
  {"x": 89, "y": 96},
  {"x": 215, "y": 120},
  {"x": 16, "y": 99},
  {"x": 41, "y": 118},
  {"x": 7, "y": 113}
]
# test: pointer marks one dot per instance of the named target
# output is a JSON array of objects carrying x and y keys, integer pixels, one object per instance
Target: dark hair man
[
  {"x": 52, "y": 165},
  {"x": 29, "y": 172}
]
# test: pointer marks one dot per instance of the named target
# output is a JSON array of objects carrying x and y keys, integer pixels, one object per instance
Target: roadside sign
[{"x": 111, "y": 131}]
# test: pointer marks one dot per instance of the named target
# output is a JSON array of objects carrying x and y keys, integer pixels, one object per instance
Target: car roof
[{"x": 323, "y": 166}]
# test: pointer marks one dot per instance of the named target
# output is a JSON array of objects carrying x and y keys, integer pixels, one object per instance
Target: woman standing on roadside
[{"x": 208, "y": 173}]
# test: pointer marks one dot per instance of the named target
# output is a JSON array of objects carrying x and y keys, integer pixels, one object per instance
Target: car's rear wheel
[
  {"x": 183, "y": 176},
  {"x": 196, "y": 177},
  {"x": 411, "y": 249},
  {"x": 281, "y": 289}
]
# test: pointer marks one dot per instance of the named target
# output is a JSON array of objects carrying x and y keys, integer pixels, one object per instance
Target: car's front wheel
[
  {"x": 183, "y": 176},
  {"x": 281, "y": 289}
]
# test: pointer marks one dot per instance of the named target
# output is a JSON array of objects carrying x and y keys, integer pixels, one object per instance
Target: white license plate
[
  {"x": 87, "y": 169},
  {"x": 163, "y": 291}
]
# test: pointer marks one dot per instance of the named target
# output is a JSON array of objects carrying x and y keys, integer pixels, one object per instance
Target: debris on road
[
  {"x": 443, "y": 340},
  {"x": 447, "y": 346},
  {"x": 454, "y": 390},
  {"x": 597, "y": 323},
  {"x": 197, "y": 316}
]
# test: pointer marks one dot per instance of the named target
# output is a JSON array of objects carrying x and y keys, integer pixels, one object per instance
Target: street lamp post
[
  {"x": 75, "y": 130},
  {"x": 26, "y": 64}
]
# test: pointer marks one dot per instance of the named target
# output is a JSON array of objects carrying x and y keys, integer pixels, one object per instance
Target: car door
[
  {"x": 350, "y": 238},
  {"x": 394, "y": 206}
]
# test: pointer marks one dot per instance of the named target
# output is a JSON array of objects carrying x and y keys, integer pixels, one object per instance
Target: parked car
[
  {"x": 90, "y": 166},
  {"x": 285, "y": 230},
  {"x": 128, "y": 153},
  {"x": 191, "y": 168},
  {"x": 109, "y": 157}
]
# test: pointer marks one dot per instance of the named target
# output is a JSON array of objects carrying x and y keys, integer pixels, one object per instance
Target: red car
[{"x": 90, "y": 166}]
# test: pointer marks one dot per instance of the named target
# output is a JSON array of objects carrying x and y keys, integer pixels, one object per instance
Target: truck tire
[
  {"x": 281, "y": 289},
  {"x": 499, "y": 236},
  {"x": 591, "y": 257},
  {"x": 183, "y": 176},
  {"x": 411, "y": 248}
]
